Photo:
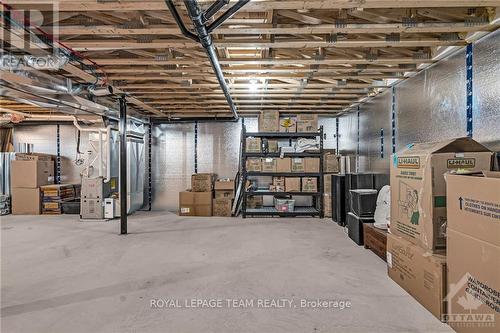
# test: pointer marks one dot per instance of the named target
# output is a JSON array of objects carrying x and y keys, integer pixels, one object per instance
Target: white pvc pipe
[
  {"x": 99, "y": 159},
  {"x": 108, "y": 154}
]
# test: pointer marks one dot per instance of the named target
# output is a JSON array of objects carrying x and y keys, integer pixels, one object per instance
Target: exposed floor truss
[{"x": 323, "y": 56}]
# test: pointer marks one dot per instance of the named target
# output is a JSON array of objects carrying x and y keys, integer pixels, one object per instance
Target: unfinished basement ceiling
[{"x": 321, "y": 56}]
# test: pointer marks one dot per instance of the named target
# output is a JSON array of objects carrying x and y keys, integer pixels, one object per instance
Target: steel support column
[
  {"x": 58, "y": 152},
  {"x": 470, "y": 96},
  {"x": 123, "y": 166}
]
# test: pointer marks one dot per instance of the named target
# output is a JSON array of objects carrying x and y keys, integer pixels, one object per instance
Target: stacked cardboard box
[
  {"x": 288, "y": 124},
  {"x": 416, "y": 250},
  {"x": 473, "y": 252},
  {"x": 269, "y": 164},
  {"x": 307, "y": 123},
  {"x": 28, "y": 173},
  {"x": 253, "y": 145},
  {"x": 327, "y": 205},
  {"x": 309, "y": 184},
  {"x": 224, "y": 195},
  {"x": 331, "y": 162},
  {"x": 254, "y": 164},
  {"x": 54, "y": 195},
  {"x": 278, "y": 184},
  {"x": 292, "y": 184},
  {"x": 269, "y": 121},
  {"x": 284, "y": 164},
  {"x": 198, "y": 201}
]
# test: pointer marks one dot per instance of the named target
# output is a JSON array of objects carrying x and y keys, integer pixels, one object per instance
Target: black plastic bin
[
  {"x": 355, "y": 227},
  {"x": 380, "y": 180},
  {"x": 363, "y": 201},
  {"x": 354, "y": 181}
]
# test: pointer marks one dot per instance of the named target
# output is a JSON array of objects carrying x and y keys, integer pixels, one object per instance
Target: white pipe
[
  {"x": 108, "y": 154},
  {"x": 99, "y": 160}
]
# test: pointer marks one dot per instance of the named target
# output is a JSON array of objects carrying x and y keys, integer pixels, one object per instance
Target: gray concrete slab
[{"x": 61, "y": 275}]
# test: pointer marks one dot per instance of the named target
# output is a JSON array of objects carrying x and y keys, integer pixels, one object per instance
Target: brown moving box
[
  {"x": 288, "y": 125},
  {"x": 254, "y": 164},
  {"x": 327, "y": 183},
  {"x": 331, "y": 162},
  {"x": 284, "y": 164},
  {"x": 307, "y": 123},
  {"x": 309, "y": 184},
  {"x": 269, "y": 121},
  {"x": 327, "y": 205},
  {"x": 279, "y": 181},
  {"x": 224, "y": 194},
  {"x": 26, "y": 201},
  {"x": 269, "y": 164},
  {"x": 292, "y": 184},
  {"x": 298, "y": 164},
  {"x": 253, "y": 145},
  {"x": 202, "y": 182},
  {"x": 311, "y": 164},
  {"x": 195, "y": 203},
  {"x": 224, "y": 189},
  {"x": 31, "y": 173},
  {"x": 418, "y": 189},
  {"x": 222, "y": 207},
  {"x": 33, "y": 157},
  {"x": 419, "y": 272},
  {"x": 272, "y": 146},
  {"x": 473, "y": 237},
  {"x": 255, "y": 201}
]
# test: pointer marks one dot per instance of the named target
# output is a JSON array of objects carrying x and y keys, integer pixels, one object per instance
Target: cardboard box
[
  {"x": 202, "y": 182},
  {"x": 33, "y": 157},
  {"x": 25, "y": 201},
  {"x": 253, "y": 145},
  {"x": 418, "y": 189},
  {"x": 222, "y": 207},
  {"x": 288, "y": 124},
  {"x": 284, "y": 164},
  {"x": 331, "y": 162},
  {"x": 255, "y": 201},
  {"x": 473, "y": 236},
  {"x": 31, "y": 173},
  {"x": 254, "y": 164},
  {"x": 309, "y": 184},
  {"x": 224, "y": 184},
  {"x": 269, "y": 121},
  {"x": 327, "y": 205},
  {"x": 224, "y": 194},
  {"x": 420, "y": 273},
  {"x": 311, "y": 164},
  {"x": 307, "y": 123},
  {"x": 279, "y": 181},
  {"x": 271, "y": 146},
  {"x": 195, "y": 203},
  {"x": 269, "y": 164},
  {"x": 327, "y": 183},
  {"x": 292, "y": 184},
  {"x": 298, "y": 164}
]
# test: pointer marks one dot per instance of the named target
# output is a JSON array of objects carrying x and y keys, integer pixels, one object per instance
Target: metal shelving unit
[{"x": 317, "y": 197}]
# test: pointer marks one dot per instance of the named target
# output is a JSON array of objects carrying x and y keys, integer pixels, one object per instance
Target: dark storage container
[
  {"x": 71, "y": 207},
  {"x": 380, "y": 180},
  {"x": 355, "y": 227},
  {"x": 363, "y": 201},
  {"x": 354, "y": 181},
  {"x": 338, "y": 199}
]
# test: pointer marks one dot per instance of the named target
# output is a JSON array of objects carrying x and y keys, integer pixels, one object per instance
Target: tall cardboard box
[
  {"x": 253, "y": 145},
  {"x": 292, "y": 184},
  {"x": 473, "y": 233},
  {"x": 327, "y": 205},
  {"x": 25, "y": 201},
  {"x": 421, "y": 273},
  {"x": 331, "y": 162},
  {"x": 288, "y": 124},
  {"x": 254, "y": 164},
  {"x": 272, "y": 146},
  {"x": 309, "y": 184},
  {"x": 269, "y": 121},
  {"x": 222, "y": 207},
  {"x": 269, "y": 164},
  {"x": 202, "y": 182},
  {"x": 224, "y": 189},
  {"x": 327, "y": 183},
  {"x": 284, "y": 164},
  {"x": 418, "y": 189},
  {"x": 307, "y": 123},
  {"x": 311, "y": 164},
  {"x": 31, "y": 173}
]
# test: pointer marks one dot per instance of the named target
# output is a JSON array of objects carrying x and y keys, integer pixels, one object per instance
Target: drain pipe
[{"x": 199, "y": 19}]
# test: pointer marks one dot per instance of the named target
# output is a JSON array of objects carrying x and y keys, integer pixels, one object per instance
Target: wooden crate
[{"x": 375, "y": 240}]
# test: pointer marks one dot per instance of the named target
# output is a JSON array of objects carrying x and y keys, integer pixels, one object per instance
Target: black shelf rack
[{"x": 316, "y": 209}]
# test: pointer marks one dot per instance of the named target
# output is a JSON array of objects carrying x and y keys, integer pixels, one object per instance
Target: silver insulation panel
[{"x": 486, "y": 87}]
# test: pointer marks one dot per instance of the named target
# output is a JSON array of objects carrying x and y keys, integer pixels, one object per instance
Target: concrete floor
[{"x": 60, "y": 275}]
